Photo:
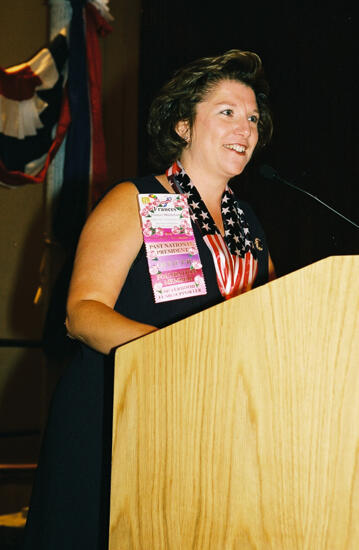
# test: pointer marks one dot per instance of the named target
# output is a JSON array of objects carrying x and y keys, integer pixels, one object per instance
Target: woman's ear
[{"x": 182, "y": 129}]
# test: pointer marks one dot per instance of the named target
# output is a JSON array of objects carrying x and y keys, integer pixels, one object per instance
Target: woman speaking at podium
[{"x": 132, "y": 276}]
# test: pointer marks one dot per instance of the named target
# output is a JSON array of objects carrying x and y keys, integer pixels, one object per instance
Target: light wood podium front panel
[{"x": 238, "y": 428}]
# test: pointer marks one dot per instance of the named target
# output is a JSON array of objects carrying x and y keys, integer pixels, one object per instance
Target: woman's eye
[
  {"x": 227, "y": 112},
  {"x": 253, "y": 118}
]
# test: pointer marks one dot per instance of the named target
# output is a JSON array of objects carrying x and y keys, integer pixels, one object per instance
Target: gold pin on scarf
[{"x": 258, "y": 244}]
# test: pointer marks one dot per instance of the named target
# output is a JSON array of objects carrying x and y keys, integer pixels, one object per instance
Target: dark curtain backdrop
[{"x": 310, "y": 56}]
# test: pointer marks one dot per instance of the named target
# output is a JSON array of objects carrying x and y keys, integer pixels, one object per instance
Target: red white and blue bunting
[{"x": 43, "y": 100}]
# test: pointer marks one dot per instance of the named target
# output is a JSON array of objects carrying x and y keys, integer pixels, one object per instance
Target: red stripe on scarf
[{"x": 234, "y": 274}]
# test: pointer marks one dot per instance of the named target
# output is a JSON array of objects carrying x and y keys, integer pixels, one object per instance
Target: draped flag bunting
[
  {"x": 32, "y": 104},
  {"x": 96, "y": 24},
  {"x": 38, "y": 106},
  {"x": 84, "y": 165},
  {"x": 72, "y": 204},
  {"x": 51, "y": 128}
]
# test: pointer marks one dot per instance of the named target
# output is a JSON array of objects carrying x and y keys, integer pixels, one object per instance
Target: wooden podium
[{"x": 238, "y": 428}]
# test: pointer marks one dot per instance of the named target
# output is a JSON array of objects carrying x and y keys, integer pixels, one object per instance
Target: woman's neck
[
  {"x": 210, "y": 189},
  {"x": 210, "y": 186}
]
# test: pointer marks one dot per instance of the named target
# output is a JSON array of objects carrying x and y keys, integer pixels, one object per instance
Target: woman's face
[{"x": 225, "y": 131}]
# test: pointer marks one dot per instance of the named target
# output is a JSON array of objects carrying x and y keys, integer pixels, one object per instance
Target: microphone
[{"x": 271, "y": 174}]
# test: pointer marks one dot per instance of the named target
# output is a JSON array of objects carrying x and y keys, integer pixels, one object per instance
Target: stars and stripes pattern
[
  {"x": 234, "y": 253},
  {"x": 235, "y": 275}
]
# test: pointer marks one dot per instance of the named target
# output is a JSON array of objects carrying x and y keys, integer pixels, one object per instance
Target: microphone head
[{"x": 268, "y": 172}]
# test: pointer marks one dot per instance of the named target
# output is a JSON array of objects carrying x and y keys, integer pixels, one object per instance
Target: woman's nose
[{"x": 243, "y": 127}]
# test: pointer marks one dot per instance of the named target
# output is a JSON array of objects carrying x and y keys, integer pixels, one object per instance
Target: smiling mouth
[{"x": 236, "y": 147}]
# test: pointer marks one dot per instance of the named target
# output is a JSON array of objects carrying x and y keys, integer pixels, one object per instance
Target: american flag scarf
[{"x": 234, "y": 254}]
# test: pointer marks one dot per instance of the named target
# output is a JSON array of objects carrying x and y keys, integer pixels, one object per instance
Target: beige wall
[
  {"x": 21, "y": 245},
  {"x": 23, "y": 372}
]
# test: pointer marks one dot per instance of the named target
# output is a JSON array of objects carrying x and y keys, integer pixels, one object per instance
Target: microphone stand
[{"x": 271, "y": 174}]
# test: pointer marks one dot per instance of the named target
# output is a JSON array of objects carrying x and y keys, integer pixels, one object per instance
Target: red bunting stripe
[
  {"x": 96, "y": 24},
  {"x": 18, "y": 84}
]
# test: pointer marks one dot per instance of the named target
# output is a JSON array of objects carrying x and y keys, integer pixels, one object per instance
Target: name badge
[{"x": 173, "y": 260}]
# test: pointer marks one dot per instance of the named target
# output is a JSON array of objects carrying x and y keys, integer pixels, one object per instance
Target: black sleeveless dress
[{"x": 70, "y": 500}]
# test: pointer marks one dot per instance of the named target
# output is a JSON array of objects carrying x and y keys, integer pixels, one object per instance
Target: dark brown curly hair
[{"x": 189, "y": 85}]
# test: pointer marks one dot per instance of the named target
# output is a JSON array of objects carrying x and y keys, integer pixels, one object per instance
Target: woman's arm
[{"x": 109, "y": 243}]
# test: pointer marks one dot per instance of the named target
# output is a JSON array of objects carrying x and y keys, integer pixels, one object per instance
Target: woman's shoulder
[
  {"x": 143, "y": 184},
  {"x": 122, "y": 196}
]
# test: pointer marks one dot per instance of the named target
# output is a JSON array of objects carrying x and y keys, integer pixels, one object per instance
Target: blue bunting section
[{"x": 73, "y": 200}]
